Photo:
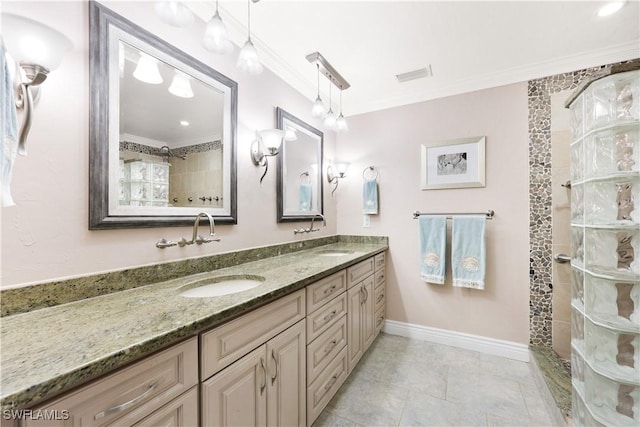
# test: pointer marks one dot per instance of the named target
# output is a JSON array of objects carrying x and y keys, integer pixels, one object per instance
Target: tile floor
[{"x": 406, "y": 382}]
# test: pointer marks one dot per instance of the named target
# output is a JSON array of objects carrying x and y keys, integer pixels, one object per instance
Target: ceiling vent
[{"x": 415, "y": 74}]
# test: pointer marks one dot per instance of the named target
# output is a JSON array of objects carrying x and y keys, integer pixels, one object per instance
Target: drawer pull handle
[
  {"x": 331, "y": 382},
  {"x": 275, "y": 363},
  {"x": 331, "y": 345},
  {"x": 380, "y": 319},
  {"x": 366, "y": 294},
  {"x": 125, "y": 405},
  {"x": 330, "y": 289},
  {"x": 264, "y": 376},
  {"x": 330, "y": 315},
  {"x": 380, "y": 278},
  {"x": 380, "y": 298}
]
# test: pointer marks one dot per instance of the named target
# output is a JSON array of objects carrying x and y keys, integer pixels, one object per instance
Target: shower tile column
[{"x": 605, "y": 251}]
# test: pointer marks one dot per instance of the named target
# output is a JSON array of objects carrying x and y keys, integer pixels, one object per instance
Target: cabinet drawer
[
  {"x": 379, "y": 297},
  {"x": 182, "y": 411},
  {"x": 131, "y": 394},
  {"x": 359, "y": 271},
  {"x": 379, "y": 261},
  {"x": 320, "y": 392},
  {"x": 322, "y": 351},
  {"x": 379, "y": 320},
  {"x": 325, "y": 290},
  {"x": 222, "y": 346},
  {"x": 379, "y": 278},
  {"x": 321, "y": 319}
]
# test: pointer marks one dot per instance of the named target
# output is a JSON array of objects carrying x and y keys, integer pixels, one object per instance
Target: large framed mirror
[
  {"x": 299, "y": 182},
  {"x": 162, "y": 131}
]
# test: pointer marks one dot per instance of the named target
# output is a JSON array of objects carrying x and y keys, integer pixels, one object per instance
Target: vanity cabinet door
[
  {"x": 286, "y": 382},
  {"x": 355, "y": 296},
  {"x": 267, "y": 387},
  {"x": 237, "y": 395},
  {"x": 360, "y": 320}
]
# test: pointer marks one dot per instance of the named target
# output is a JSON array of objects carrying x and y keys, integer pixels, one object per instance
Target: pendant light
[
  {"x": 341, "y": 122},
  {"x": 330, "y": 118},
  {"x": 317, "y": 110},
  {"x": 216, "y": 37},
  {"x": 147, "y": 70},
  {"x": 181, "y": 85},
  {"x": 174, "y": 13},
  {"x": 248, "y": 60}
]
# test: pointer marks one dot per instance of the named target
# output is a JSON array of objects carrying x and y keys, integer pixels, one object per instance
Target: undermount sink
[
  {"x": 219, "y": 286},
  {"x": 334, "y": 252}
]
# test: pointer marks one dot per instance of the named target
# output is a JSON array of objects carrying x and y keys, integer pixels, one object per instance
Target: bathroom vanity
[{"x": 271, "y": 355}]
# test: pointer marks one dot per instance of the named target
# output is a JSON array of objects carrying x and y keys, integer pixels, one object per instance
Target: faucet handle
[
  {"x": 164, "y": 243},
  {"x": 200, "y": 240}
]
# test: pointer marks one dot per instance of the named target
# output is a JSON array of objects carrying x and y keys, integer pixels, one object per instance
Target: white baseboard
[{"x": 508, "y": 349}]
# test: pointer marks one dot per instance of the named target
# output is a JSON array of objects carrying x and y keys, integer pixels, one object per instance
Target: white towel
[
  {"x": 468, "y": 251},
  {"x": 433, "y": 237},
  {"x": 9, "y": 128}
]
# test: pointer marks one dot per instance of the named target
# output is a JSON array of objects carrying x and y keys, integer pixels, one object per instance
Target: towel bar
[{"x": 488, "y": 213}]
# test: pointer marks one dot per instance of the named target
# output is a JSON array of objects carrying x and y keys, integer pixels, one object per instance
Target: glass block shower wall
[{"x": 605, "y": 244}]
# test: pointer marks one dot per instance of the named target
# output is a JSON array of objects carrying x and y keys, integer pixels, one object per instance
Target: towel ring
[
  {"x": 369, "y": 168},
  {"x": 302, "y": 175}
]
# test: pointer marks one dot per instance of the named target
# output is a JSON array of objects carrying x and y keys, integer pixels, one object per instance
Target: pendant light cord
[
  {"x": 216, "y": 7},
  {"x": 318, "y": 78},
  {"x": 249, "y": 19}
]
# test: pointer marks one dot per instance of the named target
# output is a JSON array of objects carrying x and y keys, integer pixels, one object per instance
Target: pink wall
[
  {"x": 46, "y": 235},
  {"x": 390, "y": 140}
]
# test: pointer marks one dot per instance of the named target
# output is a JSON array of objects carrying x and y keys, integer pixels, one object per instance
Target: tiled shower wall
[{"x": 540, "y": 199}]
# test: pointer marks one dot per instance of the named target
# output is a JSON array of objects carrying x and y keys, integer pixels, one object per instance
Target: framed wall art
[{"x": 456, "y": 163}]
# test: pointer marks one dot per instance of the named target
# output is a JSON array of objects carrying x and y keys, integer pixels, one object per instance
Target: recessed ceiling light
[
  {"x": 611, "y": 8},
  {"x": 184, "y": 123},
  {"x": 415, "y": 74}
]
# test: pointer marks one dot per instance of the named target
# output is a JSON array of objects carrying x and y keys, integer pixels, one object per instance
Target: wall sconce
[
  {"x": 335, "y": 172},
  {"x": 266, "y": 145},
  {"x": 38, "y": 49}
]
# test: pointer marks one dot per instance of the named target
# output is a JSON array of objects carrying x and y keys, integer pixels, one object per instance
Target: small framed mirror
[
  {"x": 162, "y": 131},
  {"x": 299, "y": 182}
]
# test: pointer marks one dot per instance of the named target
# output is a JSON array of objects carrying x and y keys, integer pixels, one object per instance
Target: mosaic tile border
[
  {"x": 540, "y": 250},
  {"x": 176, "y": 152}
]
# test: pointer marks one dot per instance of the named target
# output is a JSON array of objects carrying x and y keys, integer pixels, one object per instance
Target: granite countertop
[{"x": 51, "y": 350}]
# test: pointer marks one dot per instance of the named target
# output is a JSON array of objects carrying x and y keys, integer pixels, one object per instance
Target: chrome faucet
[
  {"x": 163, "y": 243},
  {"x": 212, "y": 232},
  {"x": 311, "y": 229}
]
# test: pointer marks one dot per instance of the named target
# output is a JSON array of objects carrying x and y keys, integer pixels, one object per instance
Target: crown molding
[{"x": 594, "y": 58}]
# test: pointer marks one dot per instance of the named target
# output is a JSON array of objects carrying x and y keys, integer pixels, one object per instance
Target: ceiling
[{"x": 470, "y": 45}]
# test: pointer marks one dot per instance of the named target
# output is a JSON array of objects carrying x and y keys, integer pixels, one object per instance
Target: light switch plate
[{"x": 366, "y": 221}]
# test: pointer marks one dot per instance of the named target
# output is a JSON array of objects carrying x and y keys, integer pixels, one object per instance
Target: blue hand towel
[
  {"x": 468, "y": 251},
  {"x": 370, "y": 196},
  {"x": 304, "y": 197},
  {"x": 9, "y": 131},
  {"x": 433, "y": 235}
]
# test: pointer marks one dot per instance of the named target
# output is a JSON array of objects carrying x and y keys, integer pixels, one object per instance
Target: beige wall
[
  {"x": 390, "y": 140},
  {"x": 46, "y": 235}
]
